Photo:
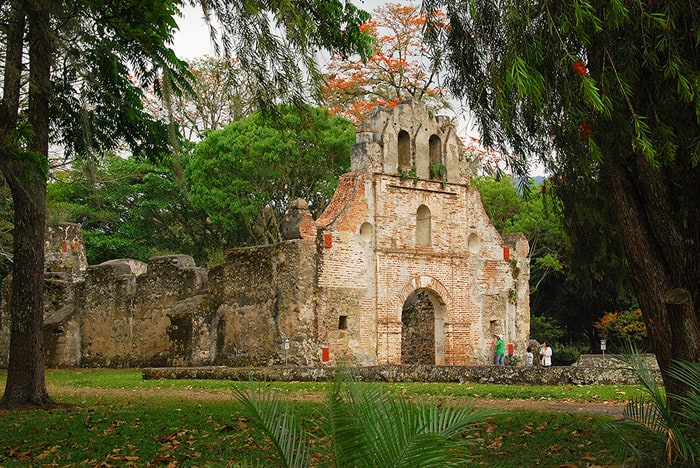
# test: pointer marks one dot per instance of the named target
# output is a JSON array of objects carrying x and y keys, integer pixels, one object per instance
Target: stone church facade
[{"x": 403, "y": 267}]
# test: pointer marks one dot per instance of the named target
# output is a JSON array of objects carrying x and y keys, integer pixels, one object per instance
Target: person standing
[
  {"x": 500, "y": 357},
  {"x": 529, "y": 357},
  {"x": 546, "y": 353}
]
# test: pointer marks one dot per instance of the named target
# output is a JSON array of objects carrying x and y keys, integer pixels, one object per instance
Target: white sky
[{"x": 192, "y": 39}]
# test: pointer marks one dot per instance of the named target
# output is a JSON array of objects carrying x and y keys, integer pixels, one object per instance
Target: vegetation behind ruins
[{"x": 573, "y": 304}]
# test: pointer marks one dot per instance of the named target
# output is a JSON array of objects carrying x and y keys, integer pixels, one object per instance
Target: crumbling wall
[
  {"x": 168, "y": 285},
  {"x": 64, "y": 249},
  {"x": 62, "y": 338},
  {"x": 106, "y": 299},
  {"x": 266, "y": 295},
  {"x": 405, "y": 220},
  {"x": 128, "y": 307},
  {"x": 65, "y": 263}
]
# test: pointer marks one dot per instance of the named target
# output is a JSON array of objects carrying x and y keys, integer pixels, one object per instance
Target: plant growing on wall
[{"x": 438, "y": 172}]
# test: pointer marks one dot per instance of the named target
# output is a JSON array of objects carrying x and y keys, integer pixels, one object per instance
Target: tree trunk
[
  {"x": 679, "y": 307},
  {"x": 637, "y": 204},
  {"x": 26, "y": 175}
]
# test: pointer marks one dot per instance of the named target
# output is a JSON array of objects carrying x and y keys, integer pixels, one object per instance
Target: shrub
[
  {"x": 546, "y": 329},
  {"x": 621, "y": 327},
  {"x": 565, "y": 355}
]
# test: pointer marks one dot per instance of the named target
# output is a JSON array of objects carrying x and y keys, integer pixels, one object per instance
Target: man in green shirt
[{"x": 499, "y": 359}]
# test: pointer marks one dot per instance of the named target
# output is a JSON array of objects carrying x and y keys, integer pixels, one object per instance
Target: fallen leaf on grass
[
  {"x": 496, "y": 443},
  {"x": 22, "y": 456}
]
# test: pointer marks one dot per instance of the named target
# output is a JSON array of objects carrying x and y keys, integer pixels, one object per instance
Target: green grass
[
  {"x": 130, "y": 379},
  {"x": 120, "y": 420}
]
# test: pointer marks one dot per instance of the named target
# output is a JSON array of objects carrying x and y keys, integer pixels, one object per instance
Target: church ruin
[{"x": 403, "y": 267}]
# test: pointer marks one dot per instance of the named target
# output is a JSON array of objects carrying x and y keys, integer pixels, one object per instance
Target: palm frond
[
  {"x": 367, "y": 427},
  {"x": 661, "y": 429},
  {"x": 276, "y": 420},
  {"x": 375, "y": 428}
]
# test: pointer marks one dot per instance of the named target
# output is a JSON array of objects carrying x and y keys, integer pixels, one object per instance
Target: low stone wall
[{"x": 569, "y": 375}]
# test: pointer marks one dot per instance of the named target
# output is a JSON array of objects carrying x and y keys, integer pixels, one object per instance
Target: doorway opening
[{"x": 422, "y": 334}]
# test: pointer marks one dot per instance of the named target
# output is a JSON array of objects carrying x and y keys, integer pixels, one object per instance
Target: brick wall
[{"x": 472, "y": 284}]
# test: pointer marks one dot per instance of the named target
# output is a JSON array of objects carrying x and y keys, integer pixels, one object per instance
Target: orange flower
[
  {"x": 586, "y": 129},
  {"x": 580, "y": 68}
]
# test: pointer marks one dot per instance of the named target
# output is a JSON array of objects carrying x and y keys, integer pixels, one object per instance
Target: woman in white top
[{"x": 546, "y": 353}]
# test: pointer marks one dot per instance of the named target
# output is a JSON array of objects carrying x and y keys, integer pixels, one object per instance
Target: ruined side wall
[
  {"x": 64, "y": 249},
  {"x": 167, "y": 288},
  {"x": 62, "y": 340},
  {"x": 266, "y": 294},
  {"x": 107, "y": 328},
  {"x": 126, "y": 316}
]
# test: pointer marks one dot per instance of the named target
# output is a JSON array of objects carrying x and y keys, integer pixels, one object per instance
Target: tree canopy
[
  {"x": 607, "y": 95},
  {"x": 128, "y": 208},
  {"x": 234, "y": 188},
  {"x": 563, "y": 288},
  {"x": 245, "y": 175}
]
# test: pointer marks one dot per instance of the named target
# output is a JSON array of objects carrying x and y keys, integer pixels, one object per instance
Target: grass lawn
[{"x": 117, "y": 419}]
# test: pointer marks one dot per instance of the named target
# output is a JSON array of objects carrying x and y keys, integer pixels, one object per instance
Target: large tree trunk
[
  {"x": 658, "y": 254},
  {"x": 25, "y": 173}
]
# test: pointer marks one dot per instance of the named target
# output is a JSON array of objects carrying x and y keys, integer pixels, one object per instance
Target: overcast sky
[{"x": 192, "y": 39}]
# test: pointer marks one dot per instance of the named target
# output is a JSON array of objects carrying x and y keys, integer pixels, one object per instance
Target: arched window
[
  {"x": 434, "y": 148},
  {"x": 423, "y": 228},
  {"x": 404, "y": 149}
]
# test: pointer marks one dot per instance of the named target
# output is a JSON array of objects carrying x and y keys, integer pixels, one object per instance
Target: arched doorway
[{"x": 422, "y": 334}]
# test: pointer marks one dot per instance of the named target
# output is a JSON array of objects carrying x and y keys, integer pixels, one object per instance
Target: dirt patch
[{"x": 612, "y": 409}]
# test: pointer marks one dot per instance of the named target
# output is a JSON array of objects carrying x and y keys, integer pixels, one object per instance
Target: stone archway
[{"x": 422, "y": 328}]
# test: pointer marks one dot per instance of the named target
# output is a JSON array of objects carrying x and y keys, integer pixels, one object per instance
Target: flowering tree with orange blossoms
[{"x": 399, "y": 68}]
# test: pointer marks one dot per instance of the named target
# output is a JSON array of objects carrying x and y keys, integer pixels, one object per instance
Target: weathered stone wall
[
  {"x": 266, "y": 294},
  {"x": 65, "y": 263},
  {"x": 107, "y": 328},
  {"x": 62, "y": 337},
  {"x": 127, "y": 310},
  {"x": 64, "y": 249},
  {"x": 169, "y": 284},
  {"x": 609, "y": 374}
]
